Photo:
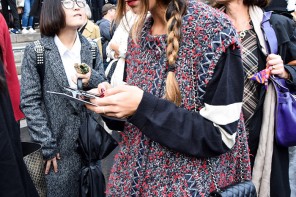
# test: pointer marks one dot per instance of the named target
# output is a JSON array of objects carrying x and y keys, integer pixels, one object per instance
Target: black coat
[
  {"x": 285, "y": 30},
  {"x": 15, "y": 180}
]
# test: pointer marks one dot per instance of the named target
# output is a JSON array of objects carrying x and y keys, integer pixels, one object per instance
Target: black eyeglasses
[{"x": 69, "y": 4}]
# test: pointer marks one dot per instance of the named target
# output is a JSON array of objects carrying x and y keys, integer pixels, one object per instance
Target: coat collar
[
  {"x": 256, "y": 15},
  {"x": 89, "y": 27},
  {"x": 57, "y": 64},
  {"x": 48, "y": 43}
]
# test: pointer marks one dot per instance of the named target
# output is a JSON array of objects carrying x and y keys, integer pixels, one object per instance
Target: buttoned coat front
[{"x": 52, "y": 120}]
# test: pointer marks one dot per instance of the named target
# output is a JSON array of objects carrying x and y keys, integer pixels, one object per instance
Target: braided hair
[
  {"x": 175, "y": 10},
  {"x": 173, "y": 16}
]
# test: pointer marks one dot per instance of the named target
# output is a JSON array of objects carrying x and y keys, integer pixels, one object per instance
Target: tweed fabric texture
[
  {"x": 54, "y": 121},
  {"x": 145, "y": 168}
]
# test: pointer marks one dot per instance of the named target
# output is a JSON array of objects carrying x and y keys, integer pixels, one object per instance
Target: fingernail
[{"x": 102, "y": 94}]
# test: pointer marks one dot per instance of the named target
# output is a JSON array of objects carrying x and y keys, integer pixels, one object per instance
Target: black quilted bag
[
  {"x": 33, "y": 159},
  {"x": 243, "y": 189}
]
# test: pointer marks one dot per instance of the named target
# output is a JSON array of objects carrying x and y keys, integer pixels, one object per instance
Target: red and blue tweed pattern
[{"x": 144, "y": 167}]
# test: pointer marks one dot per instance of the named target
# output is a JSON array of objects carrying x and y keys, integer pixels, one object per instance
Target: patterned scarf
[{"x": 250, "y": 64}]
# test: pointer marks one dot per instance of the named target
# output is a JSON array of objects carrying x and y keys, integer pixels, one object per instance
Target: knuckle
[
  {"x": 117, "y": 115},
  {"x": 113, "y": 100},
  {"x": 117, "y": 109},
  {"x": 97, "y": 110}
]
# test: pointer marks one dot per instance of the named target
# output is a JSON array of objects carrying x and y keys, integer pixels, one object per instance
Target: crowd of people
[{"x": 175, "y": 80}]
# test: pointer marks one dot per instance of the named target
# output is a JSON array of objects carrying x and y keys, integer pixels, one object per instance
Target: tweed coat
[{"x": 53, "y": 121}]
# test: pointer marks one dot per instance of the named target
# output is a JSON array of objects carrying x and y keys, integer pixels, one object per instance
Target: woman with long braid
[{"x": 183, "y": 134}]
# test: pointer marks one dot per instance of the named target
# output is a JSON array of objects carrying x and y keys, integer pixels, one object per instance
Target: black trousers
[{"x": 13, "y": 9}]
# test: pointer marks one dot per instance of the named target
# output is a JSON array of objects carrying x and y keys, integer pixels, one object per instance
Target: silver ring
[{"x": 103, "y": 108}]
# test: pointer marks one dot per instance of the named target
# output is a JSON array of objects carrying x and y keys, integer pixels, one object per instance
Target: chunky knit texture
[{"x": 144, "y": 167}]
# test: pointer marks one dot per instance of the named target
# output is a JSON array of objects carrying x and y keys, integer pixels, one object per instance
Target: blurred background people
[
  {"x": 107, "y": 28},
  {"x": 96, "y": 7},
  {"x": 283, "y": 7},
  {"x": 27, "y": 20},
  {"x": 91, "y": 30},
  {"x": 294, "y": 15},
  {"x": 116, "y": 49},
  {"x": 15, "y": 28}
]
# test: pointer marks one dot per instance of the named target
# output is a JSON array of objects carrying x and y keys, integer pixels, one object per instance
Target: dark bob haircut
[{"x": 52, "y": 17}]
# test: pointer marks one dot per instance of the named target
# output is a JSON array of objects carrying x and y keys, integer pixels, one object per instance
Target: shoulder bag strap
[
  {"x": 39, "y": 49},
  {"x": 269, "y": 33},
  {"x": 94, "y": 49}
]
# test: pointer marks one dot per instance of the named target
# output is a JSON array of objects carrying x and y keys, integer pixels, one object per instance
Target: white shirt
[
  {"x": 69, "y": 57},
  {"x": 121, "y": 35}
]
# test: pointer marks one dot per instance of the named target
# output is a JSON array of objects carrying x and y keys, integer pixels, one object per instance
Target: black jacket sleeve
[
  {"x": 113, "y": 124},
  {"x": 206, "y": 133},
  {"x": 292, "y": 81}
]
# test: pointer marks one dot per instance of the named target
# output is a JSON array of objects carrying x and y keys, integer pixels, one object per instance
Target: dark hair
[
  {"x": 174, "y": 12},
  {"x": 2, "y": 79},
  {"x": 52, "y": 17},
  {"x": 259, "y": 3}
]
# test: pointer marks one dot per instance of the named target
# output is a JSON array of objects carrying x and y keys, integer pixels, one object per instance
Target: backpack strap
[
  {"x": 269, "y": 33},
  {"x": 94, "y": 50},
  {"x": 39, "y": 49}
]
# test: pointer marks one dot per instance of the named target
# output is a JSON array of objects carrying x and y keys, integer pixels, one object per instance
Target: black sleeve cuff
[
  {"x": 145, "y": 109},
  {"x": 292, "y": 71},
  {"x": 115, "y": 125}
]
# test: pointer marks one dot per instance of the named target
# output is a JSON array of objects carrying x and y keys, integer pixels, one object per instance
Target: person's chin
[
  {"x": 136, "y": 9},
  {"x": 78, "y": 25}
]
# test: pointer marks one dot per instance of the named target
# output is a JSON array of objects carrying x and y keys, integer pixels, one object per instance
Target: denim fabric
[{"x": 27, "y": 21}]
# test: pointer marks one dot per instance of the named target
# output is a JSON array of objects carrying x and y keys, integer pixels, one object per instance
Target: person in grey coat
[{"x": 52, "y": 120}]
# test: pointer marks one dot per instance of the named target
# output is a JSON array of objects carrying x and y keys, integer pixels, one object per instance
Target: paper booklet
[
  {"x": 77, "y": 95},
  {"x": 82, "y": 97}
]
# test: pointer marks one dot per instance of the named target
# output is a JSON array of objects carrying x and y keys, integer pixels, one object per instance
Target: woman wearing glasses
[{"x": 52, "y": 120}]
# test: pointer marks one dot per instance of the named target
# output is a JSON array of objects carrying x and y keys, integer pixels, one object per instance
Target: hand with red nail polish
[{"x": 102, "y": 87}]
